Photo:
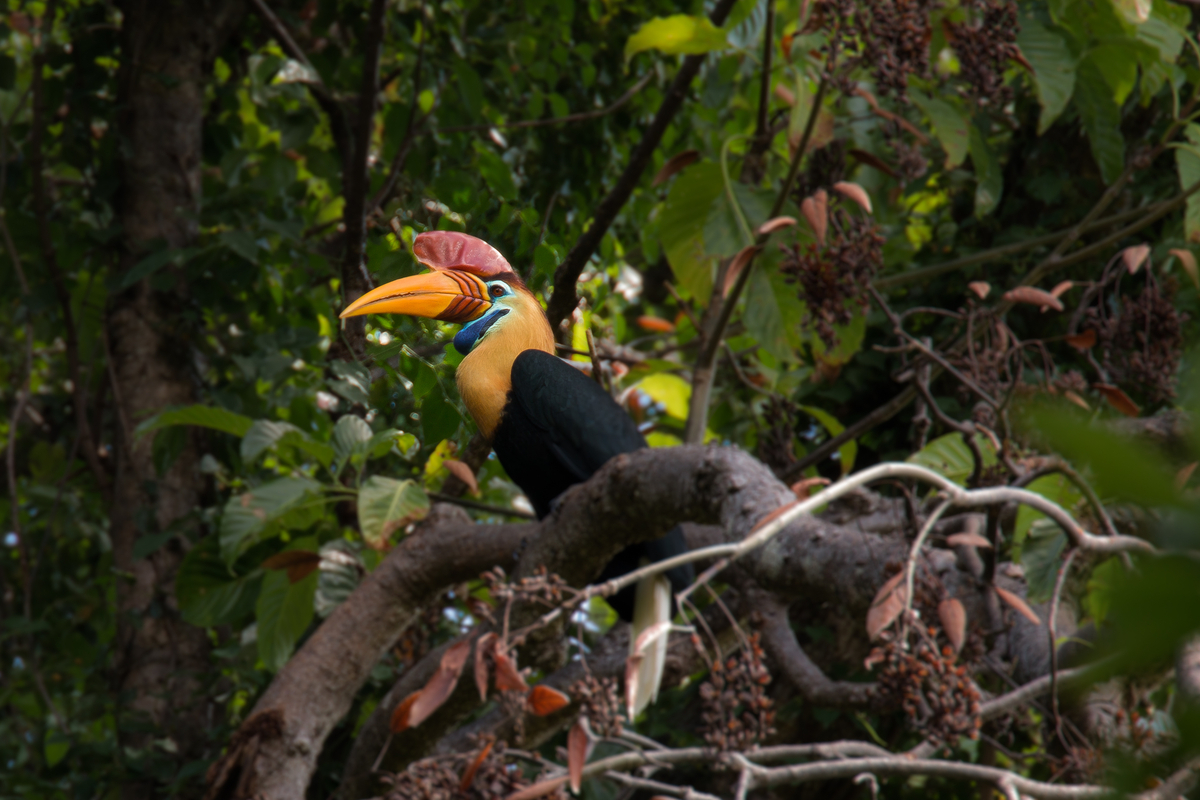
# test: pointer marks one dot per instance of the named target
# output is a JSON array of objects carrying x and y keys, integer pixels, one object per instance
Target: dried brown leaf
[
  {"x": 441, "y": 685},
  {"x": 954, "y": 622},
  {"x": 544, "y": 701},
  {"x": 1083, "y": 341},
  {"x": 1058, "y": 290},
  {"x": 1076, "y": 399},
  {"x": 508, "y": 677},
  {"x": 803, "y": 488},
  {"x": 298, "y": 563},
  {"x": 967, "y": 539},
  {"x": 1018, "y": 604},
  {"x": 401, "y": 713},
  {"x": 469, "y": 776},
  {"x": 1036, "y": 297},
  {"x": 852, "y": 191},
  {"x": 674, "y": 165},
  {"x": 656, "y": 324},
  {"x": 482, "y": 646},
  {"x": 1135, "y": 256},
  {"x": 1184, "y": 475},
  {"x": 1188, "y": 261},
  {"x": 785, "y": 94},
  {"x": 887, "y": 607},
  {"x": 579, "y": 742},
  {"x": 1118, "y": 399},
  {"x": 815, "y": 217},
  {"x": 774, "y": 224},
  {"x": 463, "y": 472},
  {"x": 981, "y": 289},
  {"x": 739, "y": 263},
  {"x": 538, "y": 789}
]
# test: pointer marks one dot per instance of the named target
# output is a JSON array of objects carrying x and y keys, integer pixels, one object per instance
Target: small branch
[
  {"x": 1052, "y": 632},
  {"x": 465, "y": 503},
  {"x": 564, "y": 299},
  {"x": 410, "y": 135},
  {"x": 582, "y": 116}
]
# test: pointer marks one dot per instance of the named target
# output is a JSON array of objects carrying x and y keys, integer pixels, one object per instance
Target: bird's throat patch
[{"x": 468, "y": 336}]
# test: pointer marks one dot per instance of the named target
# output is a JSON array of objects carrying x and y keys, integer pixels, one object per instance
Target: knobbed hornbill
[{"x": 550, "y": 425}]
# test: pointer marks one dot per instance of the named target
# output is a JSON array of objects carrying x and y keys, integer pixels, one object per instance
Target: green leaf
[
  {"x": 1041, "y": 556},
  {"x": 1155, "y": 609},
  {"x": 156, "y": 261},
  {"x": 1187, "y": 163},
  {"x": 763, "y": 317},
  {"x": 848, "y": 452},
  {"x": 680, "y": 34},
  {"x": 670, "y": 390},
  {"x": 284, "y": 610},
  {"x": 1117, "y": 61},
  {"x": 242, "y": 243},
  {"x": 217, "y": 419},
  {"x": 1053, "y": 69},
  {"x": 55, "y": 747},
  {"x": 682, "y": 223},
  {"x": 354, "y": 383},
  {"x": 949, "y": 125},
  {"x": 470, "y": 87},
  {"x": 988, "y": 175},
  {"x": 386, "y": 504},
  {"x": 1101, "y": 119},
  {"x": 495, "y": 172},
  {"x": 849, "y": 341},
  {"x": 1121, "y": 468},
  {"x": 262, "y": 435},
  {"x": 247, "y": 515},
  {"x": 439, "y": 419},
  {"x": 949, "y": 456},
  {"x": 1052, "y": 487},
  {"x": 350, "y": 434},
  {"x": 208, "y": 592},
  {"x": 1099, "y": 588}
]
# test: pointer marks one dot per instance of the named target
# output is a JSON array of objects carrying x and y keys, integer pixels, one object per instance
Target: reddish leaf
[
  {"x": 872, "y": 160},
  {"x": 954, "y": 622},
  {"x": 852, "y": 191},
  {"x": 469, "y": 776},
  {"x": 1037, "y": 297},
  {"x": 888, "y": 115},
  {"x": 1118, "y": 399},
  {"x": 1083, "y": 341},
  {"x": 655, "y": 324},
  {"x": 544, "y": 701},
  {"x": 400, "y": 715},
  {"x": 886, "y": 607},
  {"x": 481, "y": 667},
  {"x": 1058, "y": 290},
  {"x": 1188, "y": 262},
  {"x": 451, "y": 250},
  {"x": 784, "y": 93},
  {"x": 674, "y": 165},
  {"x": 774, "y": 224},
  {"x": 579, "y": 744},
  {"x": 441, "y": 685},
  {"x": 508, "y": 677},
  {"x": 1018, "y": 604},
  {"x": 774, "y": 514},
  {"x": 1185, "y": 474},
  {"x": 967, "y": 539},
  {"x": 633, "y": 665},
  {"x": 1135, "y": 256},
  {"x": 1076, "y": 399},
  {"x": 817, "y": 218},
  {"x": 981, "y": 288},
  {"x": 538, "y": 789},
  {"x": 739, "y": 263},
  {"x": 803, "y": 488},
  {"x": 461, "y": 471},
  {"x": 298, "y": 563}
]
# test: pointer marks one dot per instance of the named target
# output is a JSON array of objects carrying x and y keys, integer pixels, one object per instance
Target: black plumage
[{"x": 557, "y": 429}]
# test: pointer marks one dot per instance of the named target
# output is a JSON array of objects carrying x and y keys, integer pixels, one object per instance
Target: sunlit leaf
[
  {"x": 386, "y": 505},
  {"x": 681, "y": 34}
]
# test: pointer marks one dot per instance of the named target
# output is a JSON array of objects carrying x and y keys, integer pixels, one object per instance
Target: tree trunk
[{"x": 168, "y": 47}]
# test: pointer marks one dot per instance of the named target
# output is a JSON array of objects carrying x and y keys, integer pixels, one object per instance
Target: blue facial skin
[{"x": 466, "y": 338}]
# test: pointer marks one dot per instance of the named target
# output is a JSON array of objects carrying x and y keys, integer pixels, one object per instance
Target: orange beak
[{"x": 449, "y": 296}]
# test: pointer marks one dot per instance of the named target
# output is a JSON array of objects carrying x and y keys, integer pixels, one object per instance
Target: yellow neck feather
[{"x": 485, "y": 376}]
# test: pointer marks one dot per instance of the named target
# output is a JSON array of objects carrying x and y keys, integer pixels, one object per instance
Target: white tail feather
[{"x": 651, "y": 607}]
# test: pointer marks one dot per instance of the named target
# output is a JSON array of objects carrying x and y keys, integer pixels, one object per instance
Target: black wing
[{"x": 558, "y": 428}]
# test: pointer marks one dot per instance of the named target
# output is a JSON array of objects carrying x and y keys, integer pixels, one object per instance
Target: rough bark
[{"x": 168, "y": 48}]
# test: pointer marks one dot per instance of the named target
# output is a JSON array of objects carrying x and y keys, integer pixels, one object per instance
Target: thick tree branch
[{"x": 564, "y": 299}]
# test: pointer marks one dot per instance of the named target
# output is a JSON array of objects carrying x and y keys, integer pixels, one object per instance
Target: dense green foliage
[{"x": 307, "y": 453}]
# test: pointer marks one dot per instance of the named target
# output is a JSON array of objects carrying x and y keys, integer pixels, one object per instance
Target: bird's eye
[{"x": 497, "y": 290}]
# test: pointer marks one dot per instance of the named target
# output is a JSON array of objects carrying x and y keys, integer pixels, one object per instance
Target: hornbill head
[{"x": 471, "y": 283}]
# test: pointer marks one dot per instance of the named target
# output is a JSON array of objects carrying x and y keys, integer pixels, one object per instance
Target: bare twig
[{"x": 491, "y": 509}]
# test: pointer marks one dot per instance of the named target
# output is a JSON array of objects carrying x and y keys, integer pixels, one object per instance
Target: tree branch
[{"x": 564, "y": 299}]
